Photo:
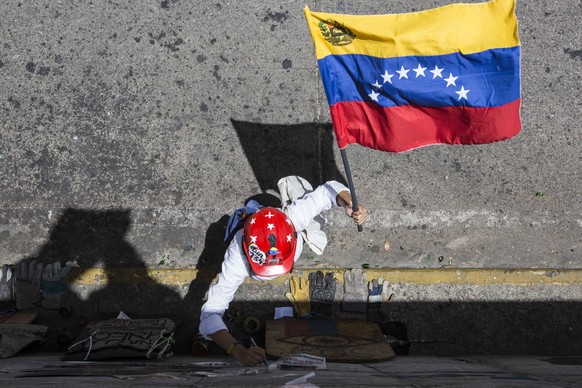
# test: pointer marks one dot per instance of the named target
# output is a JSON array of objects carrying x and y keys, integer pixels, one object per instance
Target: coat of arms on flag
[{"x": 395, "y": 82}]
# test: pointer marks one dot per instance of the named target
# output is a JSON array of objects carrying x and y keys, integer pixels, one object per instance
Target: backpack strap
[{"x": 237, "y": 219}]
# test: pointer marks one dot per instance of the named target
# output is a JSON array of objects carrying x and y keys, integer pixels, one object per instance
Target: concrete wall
[{"x": 129, "y": 129}]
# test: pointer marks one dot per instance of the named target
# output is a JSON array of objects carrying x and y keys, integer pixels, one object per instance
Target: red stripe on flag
[{"x": 402, "y": 128}]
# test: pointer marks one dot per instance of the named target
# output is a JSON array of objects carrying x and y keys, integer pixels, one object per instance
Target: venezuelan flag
[{"x": 395, "y": 82}]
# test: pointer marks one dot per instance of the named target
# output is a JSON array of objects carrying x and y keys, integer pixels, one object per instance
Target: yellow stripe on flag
[{"x": 464, "y": 28}]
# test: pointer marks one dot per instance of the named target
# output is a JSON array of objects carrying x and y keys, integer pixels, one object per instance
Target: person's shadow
[{"x": 96, "y": 238}]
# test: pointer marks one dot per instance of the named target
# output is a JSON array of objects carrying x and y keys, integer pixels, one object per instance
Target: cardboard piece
[{"x": 338, "y": 340}]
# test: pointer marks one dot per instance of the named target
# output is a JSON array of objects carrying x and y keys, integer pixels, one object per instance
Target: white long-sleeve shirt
[{"x": 235, "y": 267}]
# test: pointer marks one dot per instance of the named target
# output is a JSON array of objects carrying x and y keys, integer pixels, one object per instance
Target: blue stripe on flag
[{"x": 486, "y": 79}]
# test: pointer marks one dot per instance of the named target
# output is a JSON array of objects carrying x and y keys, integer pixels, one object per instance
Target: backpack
[{"x": 238, "y": 218}]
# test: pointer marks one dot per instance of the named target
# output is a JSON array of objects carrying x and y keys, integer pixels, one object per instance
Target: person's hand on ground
[{"x": 248, "y": 356}]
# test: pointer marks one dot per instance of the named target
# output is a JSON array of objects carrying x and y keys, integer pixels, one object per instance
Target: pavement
[{"x": 32, "y": 370}]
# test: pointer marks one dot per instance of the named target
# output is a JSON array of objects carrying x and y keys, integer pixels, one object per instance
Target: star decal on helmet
[
  {"x": 269, "y": 215},
  {"x": 270, "y": 226}
]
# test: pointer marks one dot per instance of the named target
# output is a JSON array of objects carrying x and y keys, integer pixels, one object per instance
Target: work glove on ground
[
  {"x": 322, "y": 292},
  {"x": 53, "y": 286},
  {"x": 6, "y": 287},
  {"x": 27, "y": 284},
  {"x": 299, "y": 296},
  {"x": 379, "y": 298},
  {"x": 355, "y": 291}
]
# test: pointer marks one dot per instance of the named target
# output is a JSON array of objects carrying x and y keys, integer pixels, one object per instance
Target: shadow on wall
[{"x": 276, "y": 151}]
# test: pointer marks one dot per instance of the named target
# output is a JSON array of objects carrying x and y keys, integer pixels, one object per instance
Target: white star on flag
[
  {"x": 436, "y": 72},
  {"x": 374, "y": 96},
  {"x": 387, "y": 77},
  {"x": 419, "y": 71},
  {"x": 403, "y": 72},
  {"x": 451, "y": 80},
  {"x": 462, "y": 93},
  {"x": 270, "y": 226}
]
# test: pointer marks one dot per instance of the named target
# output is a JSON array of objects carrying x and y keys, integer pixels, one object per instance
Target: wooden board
[
  {"x": 22, "y": 316},
  {"x": 338, "y": 340}
]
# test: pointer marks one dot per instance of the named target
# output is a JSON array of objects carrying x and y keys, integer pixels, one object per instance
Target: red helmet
[{"x": 269, "y": 242}]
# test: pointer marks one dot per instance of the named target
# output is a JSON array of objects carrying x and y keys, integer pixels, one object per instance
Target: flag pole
[{"x": 350, "y": 183}]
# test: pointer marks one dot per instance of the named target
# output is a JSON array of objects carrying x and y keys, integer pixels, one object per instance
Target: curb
[{"x": 466, "y": 276}]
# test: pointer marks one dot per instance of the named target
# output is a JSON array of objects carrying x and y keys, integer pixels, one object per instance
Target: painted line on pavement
[{"x": 474, "y": 276}]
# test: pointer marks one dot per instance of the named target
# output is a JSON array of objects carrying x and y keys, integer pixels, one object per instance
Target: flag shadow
[{"x": 275, "y": 151}]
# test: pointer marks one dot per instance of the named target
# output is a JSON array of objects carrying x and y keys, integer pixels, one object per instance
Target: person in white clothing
[{"x": 266, "y": 247}]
